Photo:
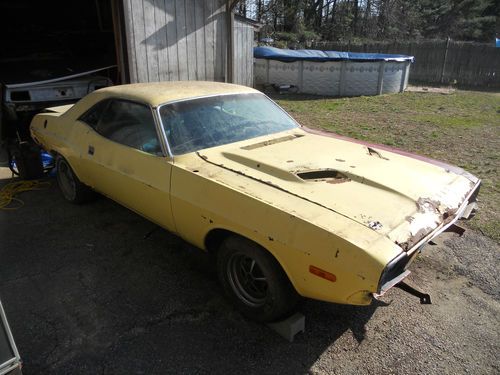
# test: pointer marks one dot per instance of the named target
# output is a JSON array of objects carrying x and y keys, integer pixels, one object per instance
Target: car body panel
[
  {"x": 133, "y": 178},
  {"x": 367, "y": 206},
  {"x": 295, "y": 240}
]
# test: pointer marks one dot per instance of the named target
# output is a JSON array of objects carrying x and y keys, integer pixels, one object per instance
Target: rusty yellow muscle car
[{"x": 286, "y": 211}]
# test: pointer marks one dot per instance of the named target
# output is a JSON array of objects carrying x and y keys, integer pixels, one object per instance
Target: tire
[
  {"x": 71, "y": 187},
  {"x": 254, "y": 280}
]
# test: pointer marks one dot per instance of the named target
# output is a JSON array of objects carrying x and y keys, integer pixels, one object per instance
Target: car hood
[{"x": 398, "y": 196}]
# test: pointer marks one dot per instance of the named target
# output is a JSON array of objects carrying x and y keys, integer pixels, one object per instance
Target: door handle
[{"x": 91, "y": 150}]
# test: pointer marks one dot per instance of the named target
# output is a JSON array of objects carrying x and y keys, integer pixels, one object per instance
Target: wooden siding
[
  {"x": 171, "y": 40},
  {"x": 243, "y": 53}
]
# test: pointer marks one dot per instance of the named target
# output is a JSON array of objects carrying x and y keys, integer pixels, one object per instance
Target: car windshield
[{"x": 196, "y": 124}]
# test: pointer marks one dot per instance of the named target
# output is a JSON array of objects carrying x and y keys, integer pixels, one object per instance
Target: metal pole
[
  {"x": 343, "y": 66},
  {"x": 380, "y": 83},
  {"x": 403, "y": 75},
  {"x": 301, "y": 75},
  {"x": 444, "y": 60}
]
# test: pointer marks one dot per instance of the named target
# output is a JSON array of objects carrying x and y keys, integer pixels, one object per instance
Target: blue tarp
[{"x": 288, "y": 55}]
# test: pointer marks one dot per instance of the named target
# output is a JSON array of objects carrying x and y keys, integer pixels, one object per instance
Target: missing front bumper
[
  {"x": 425, "y": 299},
  {"x": 398, "y": 282}
]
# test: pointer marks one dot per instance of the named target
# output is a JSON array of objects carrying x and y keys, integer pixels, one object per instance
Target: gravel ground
[{"x": 97, "y": 289}]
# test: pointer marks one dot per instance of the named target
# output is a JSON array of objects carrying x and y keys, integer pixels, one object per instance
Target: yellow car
[{"x": 287, "y": 211}]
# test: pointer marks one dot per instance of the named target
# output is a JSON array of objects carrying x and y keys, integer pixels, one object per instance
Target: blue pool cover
[{"x": 288, "y": 55}]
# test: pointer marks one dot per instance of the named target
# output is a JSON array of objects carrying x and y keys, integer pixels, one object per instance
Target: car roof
[{"x": 156, "y": 93}]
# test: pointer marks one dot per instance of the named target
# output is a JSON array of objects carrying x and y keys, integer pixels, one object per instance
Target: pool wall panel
[{"x": 335, "y": 78}]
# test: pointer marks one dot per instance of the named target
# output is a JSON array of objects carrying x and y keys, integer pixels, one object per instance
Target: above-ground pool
[{"x": 331, "y": 72}]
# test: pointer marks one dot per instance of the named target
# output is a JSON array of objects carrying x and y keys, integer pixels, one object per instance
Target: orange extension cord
[{"x": 9, "y": 191}]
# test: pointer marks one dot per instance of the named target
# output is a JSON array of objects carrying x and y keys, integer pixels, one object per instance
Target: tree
[{"x": 376, "y": 19}]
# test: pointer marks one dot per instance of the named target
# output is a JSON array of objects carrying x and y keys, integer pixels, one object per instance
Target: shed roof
[{"x": 256, "y": 24}]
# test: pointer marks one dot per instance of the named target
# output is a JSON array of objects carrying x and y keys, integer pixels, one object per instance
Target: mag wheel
[{"x": 254, "y": 280}]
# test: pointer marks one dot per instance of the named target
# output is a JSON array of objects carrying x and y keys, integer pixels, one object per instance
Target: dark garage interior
[{"x": 45, "y": 45}]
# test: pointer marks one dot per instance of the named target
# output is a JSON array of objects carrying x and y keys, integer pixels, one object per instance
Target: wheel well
[{"x": 214, "y": 239}]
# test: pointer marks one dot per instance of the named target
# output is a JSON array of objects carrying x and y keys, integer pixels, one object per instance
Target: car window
[
  {"x": 192, "y": 125},
  {"x": 130, "y": 124},
  {"x": 92, "y": 116}
]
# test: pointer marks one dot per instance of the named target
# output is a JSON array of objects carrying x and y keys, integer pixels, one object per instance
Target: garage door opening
[{"x": 54, "y": 53}]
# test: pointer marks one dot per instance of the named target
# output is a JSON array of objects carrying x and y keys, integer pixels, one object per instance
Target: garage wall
[
  {"x": 171, "y": 40},
  {"x": 243, "y": 53}
]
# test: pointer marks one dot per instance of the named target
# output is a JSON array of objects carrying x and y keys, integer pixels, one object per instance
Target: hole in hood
[{"x": 328, "y": 175}]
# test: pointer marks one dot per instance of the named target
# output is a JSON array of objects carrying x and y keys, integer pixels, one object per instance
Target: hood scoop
[
  {"x": 272, "y": 141},
  {"x": 330, "y": 176}
]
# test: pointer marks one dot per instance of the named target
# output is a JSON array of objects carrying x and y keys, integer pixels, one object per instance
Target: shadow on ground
[{"x": 98, "y": 289}]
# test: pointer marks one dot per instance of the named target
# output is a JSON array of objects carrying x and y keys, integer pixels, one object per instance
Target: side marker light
[{"x": 322, "y": 273}]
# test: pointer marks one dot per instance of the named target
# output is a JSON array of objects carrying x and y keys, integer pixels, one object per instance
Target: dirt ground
[
  {"x": 97, "y": 289},
  {"x": 439, "y": 90}
]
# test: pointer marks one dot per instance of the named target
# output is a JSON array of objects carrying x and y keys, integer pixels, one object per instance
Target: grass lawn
[{"x": 462, "y": 128}]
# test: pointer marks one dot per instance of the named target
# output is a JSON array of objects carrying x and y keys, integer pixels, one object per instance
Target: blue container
[
  {"x": 48, "y": 163},
  {"x": 47, "y": 160}
]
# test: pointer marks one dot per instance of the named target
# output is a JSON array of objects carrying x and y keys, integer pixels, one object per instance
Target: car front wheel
[{"x": 254, "y": 280}]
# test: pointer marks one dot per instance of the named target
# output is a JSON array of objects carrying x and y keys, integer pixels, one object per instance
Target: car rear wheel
[
  {"x": 254, "y": 280},
  {"x": 71, "y": 187}
]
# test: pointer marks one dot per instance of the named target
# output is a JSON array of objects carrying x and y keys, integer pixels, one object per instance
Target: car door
[{"x": 124, "y": 160}]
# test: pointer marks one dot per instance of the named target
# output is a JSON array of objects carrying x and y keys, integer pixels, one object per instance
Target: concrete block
[{"x": 289, "y": 327}]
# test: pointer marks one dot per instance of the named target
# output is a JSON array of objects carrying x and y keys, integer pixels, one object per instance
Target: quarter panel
[{"x": 65, "y": 137}]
